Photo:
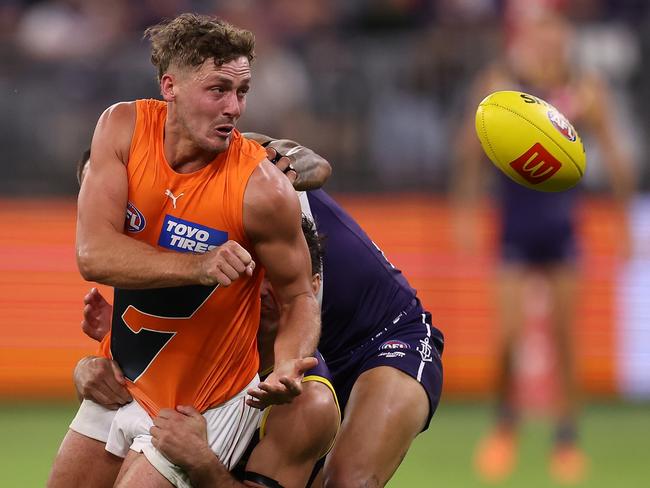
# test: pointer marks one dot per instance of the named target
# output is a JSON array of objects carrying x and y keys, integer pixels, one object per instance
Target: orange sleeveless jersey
[{"x": 192, "y": 345}]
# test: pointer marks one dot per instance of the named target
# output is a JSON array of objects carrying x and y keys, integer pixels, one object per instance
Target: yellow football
[{"x": 530, "y": 141}]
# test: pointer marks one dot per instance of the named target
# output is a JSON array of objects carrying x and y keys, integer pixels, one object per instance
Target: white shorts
[
  {"x": 93, "y": 420},
  {"x": 230, "y": 429}
]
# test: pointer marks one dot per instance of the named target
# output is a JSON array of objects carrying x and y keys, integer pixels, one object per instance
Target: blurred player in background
[
  {"x": 538, "y": 230},
  {"x": 188, "y": 182}
]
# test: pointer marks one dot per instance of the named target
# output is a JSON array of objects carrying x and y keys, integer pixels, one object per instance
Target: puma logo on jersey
[
  {"x": 185, "y": 236},
  {"x": 169, "y": 193}
]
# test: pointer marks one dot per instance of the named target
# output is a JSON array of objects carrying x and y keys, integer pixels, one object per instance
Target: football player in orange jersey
[
  {"x": 294, "y": 437},
  {"x": 235, "y": 205},
  {"x": 284, "y": 449},
  {"x": 538, "y": 230}
]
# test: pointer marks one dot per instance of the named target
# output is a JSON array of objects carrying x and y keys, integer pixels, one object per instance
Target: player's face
[
  {"x": 210, "y": 99},
  {"x": 541, "y": 49},
  {"x": 270, "y": 312}
]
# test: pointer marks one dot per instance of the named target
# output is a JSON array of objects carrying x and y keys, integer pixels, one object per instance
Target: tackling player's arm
[
  {"x": 104, "y": 253},
  {"x": 97, "y": 378},
  {"x": 596, "y": 97},
  {"x": 181, "y": 435},
  {"x": 272, "y": 220},
  {"x": 311, "y": 169},
  {"x": 297, "y": 435}
]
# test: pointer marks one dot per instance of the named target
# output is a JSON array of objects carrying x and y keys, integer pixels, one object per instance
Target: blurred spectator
[
  {"x": 62, "y": 29},
  {"x": 376, "y": 85}
]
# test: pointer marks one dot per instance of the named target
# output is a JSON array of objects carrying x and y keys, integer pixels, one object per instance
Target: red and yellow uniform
[{"x": 191, "y": 345}]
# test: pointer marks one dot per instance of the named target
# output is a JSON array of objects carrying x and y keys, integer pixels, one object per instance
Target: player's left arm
[
  {"x": 618, "y": 163},
  {"x": 272, "y": 220},
  {"x": 600, "y": 117},
  {"x": 305, "y": 169}
]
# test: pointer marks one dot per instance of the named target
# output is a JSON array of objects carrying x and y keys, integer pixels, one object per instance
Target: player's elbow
[
  {"x": 321, "y": 175},
  {"x": 324, "y": 171},
  {"x": 89, "y": 264}
]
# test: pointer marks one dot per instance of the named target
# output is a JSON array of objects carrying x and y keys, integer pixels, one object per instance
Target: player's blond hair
[{"x": 190, "y": 39}]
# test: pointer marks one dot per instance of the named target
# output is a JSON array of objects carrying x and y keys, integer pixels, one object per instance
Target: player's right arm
[
  {"x": 467, "y": 175},
  {"x": 104, "y": 253}
]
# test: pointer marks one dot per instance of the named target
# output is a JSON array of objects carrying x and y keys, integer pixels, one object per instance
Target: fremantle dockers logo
[
  {"x": 536, "y": 165},
  {"x": 135, "y": 221},
  {"x": 560, "y": 122}
]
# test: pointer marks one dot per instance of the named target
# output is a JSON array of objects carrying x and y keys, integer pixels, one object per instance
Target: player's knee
[{"x": 342, "y": 476}]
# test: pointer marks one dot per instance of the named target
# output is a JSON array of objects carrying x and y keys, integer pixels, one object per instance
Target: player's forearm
[
  {"x": 211, "y": 473},
  {"x": 312, "y": 169},
  {"x": 117, "y": 260},
  {"x": 299, "y": 329}
]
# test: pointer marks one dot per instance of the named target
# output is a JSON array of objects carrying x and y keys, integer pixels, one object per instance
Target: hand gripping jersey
[{"x": 192, "y": 345}]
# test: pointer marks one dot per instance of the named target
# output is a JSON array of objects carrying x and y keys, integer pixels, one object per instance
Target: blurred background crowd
[
  {"x": 377, "y": 86},
  {"x": 382, "y": 89}
]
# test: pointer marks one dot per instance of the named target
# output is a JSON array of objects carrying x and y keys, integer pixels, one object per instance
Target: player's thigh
[
  {"x": 563, "y": 281},
  {"x": 386, "y": 410},
  {"x": 510, "y": 288},
  {"x": 82, "y": 461},
  {"x": 296, "y": 436},
  {"x": 138, "y": 472}
]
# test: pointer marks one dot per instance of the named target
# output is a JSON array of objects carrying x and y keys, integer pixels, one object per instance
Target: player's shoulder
[
  {"x": 247, "y": 147},
  {"x": 120, "y": 112},
  {"x": 115, "y": 128},
  {"x": 497, "y": 75},
  {"x": 270, "y": 187},
  {"x": 270, "y": 202},
  {"x": 118, "y": 119}
]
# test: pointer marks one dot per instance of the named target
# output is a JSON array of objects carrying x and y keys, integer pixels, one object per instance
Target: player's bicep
[
  {"x": 272, "y": 219},
  {"x": 285, "y": 256}
]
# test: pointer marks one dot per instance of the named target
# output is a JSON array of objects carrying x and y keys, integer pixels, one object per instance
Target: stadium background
[{"x": 378, "y": 87}]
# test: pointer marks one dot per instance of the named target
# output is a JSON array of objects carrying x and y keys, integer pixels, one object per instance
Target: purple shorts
[{"x": 410, "y": 344}]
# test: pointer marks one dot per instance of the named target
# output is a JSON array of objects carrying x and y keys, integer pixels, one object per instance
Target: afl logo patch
[
  {"x": 394, "y": 344},
  {"x": 563, "y": 126},
  {"x": 135, "y": 221}
]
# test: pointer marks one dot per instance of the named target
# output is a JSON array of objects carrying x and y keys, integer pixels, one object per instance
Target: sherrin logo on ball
[{"x": 530, "y": 141}]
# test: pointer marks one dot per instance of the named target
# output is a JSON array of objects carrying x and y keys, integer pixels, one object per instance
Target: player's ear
[
  {"x": 315, "y": 283},
  {"x": 167, "y": 87}
]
